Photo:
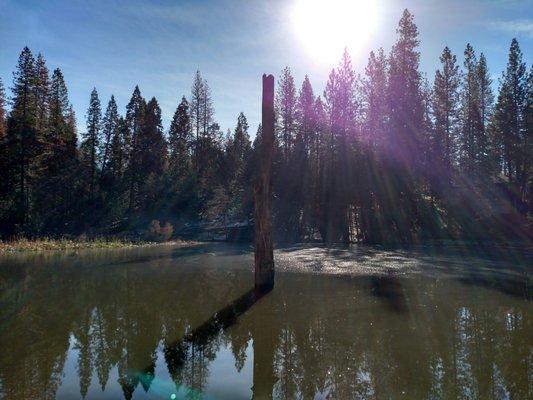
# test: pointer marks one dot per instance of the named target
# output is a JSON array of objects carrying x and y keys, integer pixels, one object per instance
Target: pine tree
[
  {"x": 307, "y": 151},
  {"x": 285, "y": 185},
  {"x": 207, "y": 110},
  {"x": 3, "y": 113},
  {"x": 240, "y": 147},
  {"x": 180, "y": 138},
  {"x": 374, "y": 137},
  {"x": 527, "y": 146},
  {"x": 508, "y": 124},
  {"x": 61, "y": 135},
  {"x": 406, "y": 117},
  {"x": 197, "y": 103},
  {"x": 42, "y": 89},
  {"x": 109, "y": 127},
  {"x": 445, "y": 107},
  {"x": 5, "y": 183},
  {"x": 286, "y": 104},
  {"x": 510, "y": 105},
  {"x": 117, "y": 156},
  {"x": 22, "y": 137},
  {"x": 134, "y": 119},
  {"x": 152, "y": 154},
  {"x": 306, "y": 114},
  {"x": 201, "y": 108},
  {"x": 471, "y": 119},
  {"x": 375, "y": 94},
  {"x": 54, "y": 192},
  {"x": 486, "y": 101},
  {"x": 92, "y": 139},
  {"x": 340, "y": 97},
  {"x": 405, "y": 131}
]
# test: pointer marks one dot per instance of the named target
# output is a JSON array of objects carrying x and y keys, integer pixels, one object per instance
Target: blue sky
[{"x": 159, "y": 45}]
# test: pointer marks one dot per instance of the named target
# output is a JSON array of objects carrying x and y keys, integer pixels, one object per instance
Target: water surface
[{"x": 169, "y": 322}]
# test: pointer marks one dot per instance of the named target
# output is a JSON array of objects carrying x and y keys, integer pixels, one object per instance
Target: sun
[{"x": 326, "y": 27}]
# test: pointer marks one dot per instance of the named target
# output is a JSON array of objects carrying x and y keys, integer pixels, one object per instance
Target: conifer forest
[{"x": 383, "y": 155}]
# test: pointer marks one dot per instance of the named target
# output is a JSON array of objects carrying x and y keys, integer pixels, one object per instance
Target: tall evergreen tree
[
  {"x": 306, "y": 114},
  {"x": 22, "y": 137},
  {"x": 91, "y": 139},
  {"x": 288, "y": 197},
  {"x": 374, "y": 136},
  {"x": 471, "y": 121},
  {"x": 508, "y": 124},
  {"x": 42, "y": 88},
  {"x": 528, "y": 144},
  {"x": 201, "y": 109},
  {"x": 240, "y": 147},
  {"x": 306, "y": 162},
  {"x": 61, "y": 135},
  {"x": 405, "y": 134},
  {"x": 55, "y": 189},
  {"x": 180, "y": 138},
  {"x": 117, "y": 156},
  {"x": 3, "y": 111},
  {"x": 109, "y": 127},
  {"x": 445, "y": 107},
  {"x": 134, "y": 120},
  {"x": 486, "y": 102},
  {"x": 207, "y": 111},
  {"x": 286, "y": 103},
  {"x": 5, "y": 201},
  {"x": 197, "y": 92},
  {"x": 341, "y": 106},
  {"x": 375, "y": 95},
  {"x": 153, "y": 159}
]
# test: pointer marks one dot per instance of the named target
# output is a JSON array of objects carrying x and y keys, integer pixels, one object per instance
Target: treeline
[
  {"x": 381, "y": 157},
  {"x": 125, "y": 171},
  {"x": 387, "y": 157}
]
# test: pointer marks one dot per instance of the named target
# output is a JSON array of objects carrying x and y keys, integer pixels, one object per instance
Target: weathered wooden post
[{"x": 264, "y": 253}]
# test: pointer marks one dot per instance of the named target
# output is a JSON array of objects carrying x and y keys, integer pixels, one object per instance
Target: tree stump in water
[{"x": 264, "y": 253}]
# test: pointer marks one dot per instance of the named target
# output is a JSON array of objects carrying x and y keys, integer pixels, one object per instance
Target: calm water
[{"x": 168, "y": 322}]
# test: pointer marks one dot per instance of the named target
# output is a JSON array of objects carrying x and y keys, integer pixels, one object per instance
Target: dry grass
[{"x": 45, "y": 244}]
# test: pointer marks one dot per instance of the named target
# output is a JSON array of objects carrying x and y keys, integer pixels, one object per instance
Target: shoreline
[{"x": 45, "y": 244}]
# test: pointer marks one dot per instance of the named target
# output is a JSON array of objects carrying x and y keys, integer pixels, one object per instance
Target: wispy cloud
[{"x": 519, "y": 27}]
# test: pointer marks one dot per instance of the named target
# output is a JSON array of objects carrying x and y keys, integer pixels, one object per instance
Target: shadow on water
[
  {"x": 177, "y": 352},
  {"x": 389, "y": 288},
  {"x": 221, "y": 320}
]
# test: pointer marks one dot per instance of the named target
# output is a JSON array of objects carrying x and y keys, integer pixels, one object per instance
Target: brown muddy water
[{"x": 182, "y": 323}]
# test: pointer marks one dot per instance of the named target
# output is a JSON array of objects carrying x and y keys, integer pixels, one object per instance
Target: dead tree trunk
[{"x": 264, "y": 254}]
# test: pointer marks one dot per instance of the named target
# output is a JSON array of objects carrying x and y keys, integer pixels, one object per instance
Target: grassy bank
[{"x": 45, "y": 244}]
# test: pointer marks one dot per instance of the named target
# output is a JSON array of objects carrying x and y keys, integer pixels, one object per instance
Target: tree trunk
[{"x": 264, "y": 255}]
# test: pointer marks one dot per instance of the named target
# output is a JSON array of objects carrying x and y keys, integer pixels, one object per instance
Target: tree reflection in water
[{"x": 117, "y": 315}]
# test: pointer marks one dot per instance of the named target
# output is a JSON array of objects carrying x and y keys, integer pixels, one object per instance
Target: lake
[{"x": 171, "y": 322}]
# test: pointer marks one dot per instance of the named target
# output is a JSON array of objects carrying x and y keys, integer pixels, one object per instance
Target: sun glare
[{"x": 326, "y": 27}]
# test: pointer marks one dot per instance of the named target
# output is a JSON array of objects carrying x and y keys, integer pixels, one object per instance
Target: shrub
[
  {"x": 166, "y": 231},
  {"x": 157, "y": 233}
]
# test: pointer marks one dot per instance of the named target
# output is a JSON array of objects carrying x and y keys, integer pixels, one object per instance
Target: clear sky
[{"x": 159, "y": 45}]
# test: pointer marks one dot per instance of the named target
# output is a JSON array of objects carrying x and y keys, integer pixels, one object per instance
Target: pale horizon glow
[{"x": 326, "y": 27}]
